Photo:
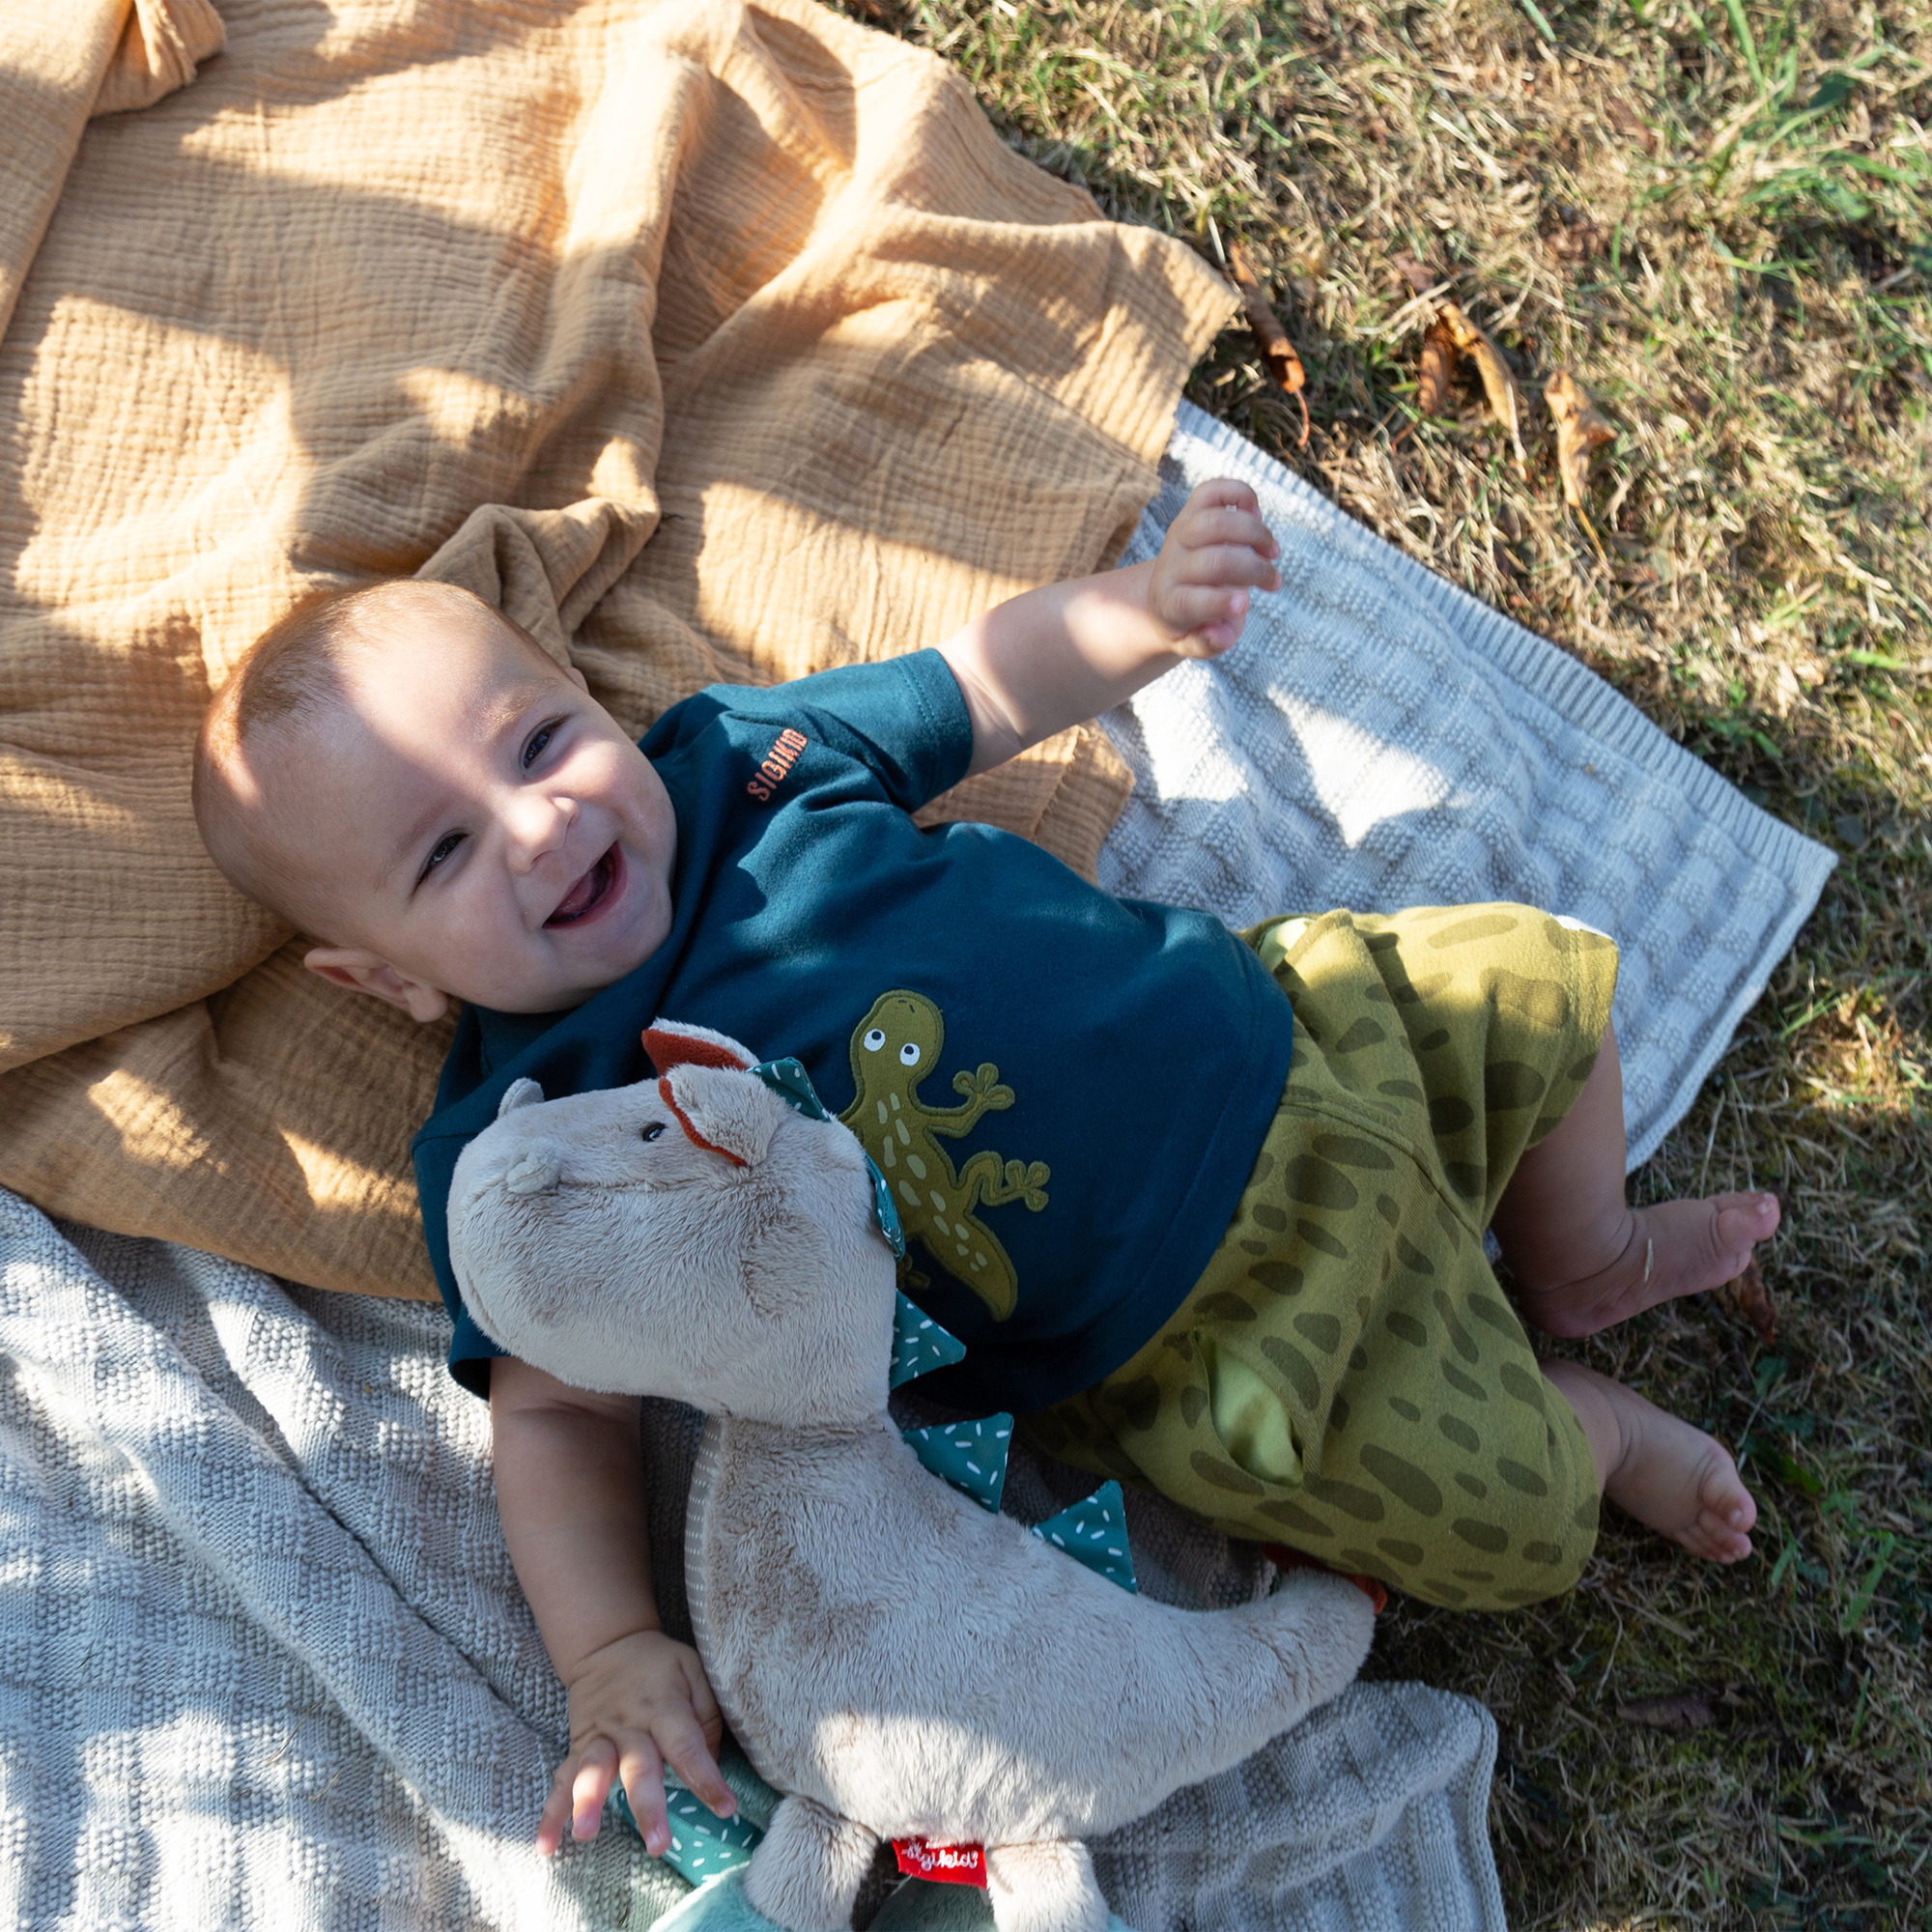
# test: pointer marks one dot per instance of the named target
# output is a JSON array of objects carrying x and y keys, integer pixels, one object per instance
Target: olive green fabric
[{"x": 1346, "y": 1376}]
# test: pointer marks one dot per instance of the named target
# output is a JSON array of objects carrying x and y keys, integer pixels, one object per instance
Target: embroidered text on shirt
[{"x": 778, "y": 763}]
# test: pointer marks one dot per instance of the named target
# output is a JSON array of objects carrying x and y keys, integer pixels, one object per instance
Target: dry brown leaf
[
  {"x": 1438, "y": 368},
  {"x": 1680, "y": 1711},
  {"x": 1498, "y": 385},
  {"x": 1786, "y": 693},
  {"x": 1580, "y": 427},
  {"x": 1474, "y": 342},
  {"x": 1277, "y": 351},
  {"x": 1750, "y": 1297}
]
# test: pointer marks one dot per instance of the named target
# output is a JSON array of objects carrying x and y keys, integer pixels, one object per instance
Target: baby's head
[{"x": 403, "y": 772}]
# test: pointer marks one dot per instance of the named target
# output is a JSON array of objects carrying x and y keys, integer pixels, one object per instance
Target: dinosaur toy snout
[{"x": 535, "y": 1171}]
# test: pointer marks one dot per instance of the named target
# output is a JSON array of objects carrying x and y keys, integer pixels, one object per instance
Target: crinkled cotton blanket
[{"x": 712, "y": 339}]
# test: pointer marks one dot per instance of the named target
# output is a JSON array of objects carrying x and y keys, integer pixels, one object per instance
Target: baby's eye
[
  {"x": 441, "y": 850},
  {"x": 534, "y": 750}
]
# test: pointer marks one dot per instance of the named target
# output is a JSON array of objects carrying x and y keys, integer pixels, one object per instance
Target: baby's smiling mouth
[{"x": 589, "y": 892}]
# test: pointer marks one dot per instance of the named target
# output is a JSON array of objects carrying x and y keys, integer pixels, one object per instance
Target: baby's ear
[{"x": 364, "y": 972}]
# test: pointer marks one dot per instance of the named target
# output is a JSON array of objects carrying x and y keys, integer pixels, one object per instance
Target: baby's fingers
[
  {"x": 1198, "y": 529},
  {"x": 1192, "y": 606},
  {"x": 642, "y": 1772},
  {"x": 576, "y": 1796},
  {"x": 1226, "y": 564},
  {"x": 688, "y": 1753},
  {"x": 1220, "y": 493},
  {"x": 556, "y": 1813},
  {"x": 1209, "y": 621}
]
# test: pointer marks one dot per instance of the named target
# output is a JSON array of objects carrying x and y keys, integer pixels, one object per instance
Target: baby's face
[{"x": 485, "y": 826}]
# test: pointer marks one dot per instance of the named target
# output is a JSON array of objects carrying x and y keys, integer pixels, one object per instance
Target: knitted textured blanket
[
  {"x": 262, "y": 1660},
  {"x": 1379, "y": 739},
  {"x": 708, "y": 338}
]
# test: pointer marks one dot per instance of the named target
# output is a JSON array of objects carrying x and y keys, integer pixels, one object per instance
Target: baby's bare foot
[
  {"x": 1678, "y": 1481},
  {"x": 1680, "y": 1247}
]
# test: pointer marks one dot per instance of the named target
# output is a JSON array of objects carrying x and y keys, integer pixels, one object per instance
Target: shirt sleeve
[
  {"x": 435, "y": 1155},
  {"x": 470, "y": 1354},
  {"x": 905, "y": 718}
]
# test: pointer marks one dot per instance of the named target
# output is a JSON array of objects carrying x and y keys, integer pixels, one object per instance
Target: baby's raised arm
[
  {"x": 570, "y": 1489},
  {"x": 1066, "y": 652}
]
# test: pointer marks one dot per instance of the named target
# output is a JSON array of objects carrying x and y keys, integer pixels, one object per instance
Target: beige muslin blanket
[{"x": 714, "y": 340}]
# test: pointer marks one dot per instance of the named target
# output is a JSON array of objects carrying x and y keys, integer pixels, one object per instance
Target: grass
[{"x": 1718, "y": 219}]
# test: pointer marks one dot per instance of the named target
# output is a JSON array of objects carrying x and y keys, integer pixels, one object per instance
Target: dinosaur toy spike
[
  {"x": 1094, "y": 1531},
  {"x": 702, "y": 1845},
  {"x": 919, "y": 1345},
  {"x": 971, "y": 1455}
]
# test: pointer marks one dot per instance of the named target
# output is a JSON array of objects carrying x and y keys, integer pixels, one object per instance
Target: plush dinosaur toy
[{"x": 896, "y": 1660}]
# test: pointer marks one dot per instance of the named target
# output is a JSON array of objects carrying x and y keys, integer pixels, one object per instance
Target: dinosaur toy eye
[
  {"x": 909, "y": 1055},
  {"x": 876, "y": 1039},
  {"x": 653, "y": 1131}
]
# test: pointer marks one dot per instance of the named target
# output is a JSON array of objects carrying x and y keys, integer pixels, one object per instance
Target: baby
[{"x": 1207, "y": 1208}]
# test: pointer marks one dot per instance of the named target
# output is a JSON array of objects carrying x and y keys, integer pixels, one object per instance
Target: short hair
[{"x": 291, "y": 676}]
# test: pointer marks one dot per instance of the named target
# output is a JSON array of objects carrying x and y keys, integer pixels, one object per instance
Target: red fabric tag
[{"x": 945, "y": 1864}]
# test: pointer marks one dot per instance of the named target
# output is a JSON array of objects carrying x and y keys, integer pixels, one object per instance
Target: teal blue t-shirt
[{"x": 1066, "y": 1090}]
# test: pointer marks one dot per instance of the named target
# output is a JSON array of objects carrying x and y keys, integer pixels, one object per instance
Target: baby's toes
[
  {"x": 1727, "y": 1511},
  {"x": 1741, "y": 1221},
  {"x": 1715, "y": 1541}
]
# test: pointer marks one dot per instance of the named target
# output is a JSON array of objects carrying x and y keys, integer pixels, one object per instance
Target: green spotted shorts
[{"x": 1346, "y": 1376}]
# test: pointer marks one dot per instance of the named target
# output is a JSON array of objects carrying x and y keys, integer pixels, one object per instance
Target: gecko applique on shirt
[{"x": 894, "y": 1048}]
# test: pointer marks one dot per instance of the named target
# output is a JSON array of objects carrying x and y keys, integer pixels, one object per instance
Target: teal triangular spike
[
  {"x": 703, "y": 1844},
  {"x": 888, "y": 1214},
  {"x": 790, "y": 1082},
  {"x": 919, "y": 1345},
  {"x": 1094, "y": 1532},
  {"x": 971, "y": 1455}
]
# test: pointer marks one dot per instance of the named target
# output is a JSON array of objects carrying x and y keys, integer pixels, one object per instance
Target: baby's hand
[
  {"x": 1215, "y": 550},
  {"x": 635, "y": 1705}
]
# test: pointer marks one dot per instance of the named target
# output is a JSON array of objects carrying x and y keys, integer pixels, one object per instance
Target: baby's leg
[
  {"x": 1674, "y": 1478},
  {"x": 1581, "y": 1259}
]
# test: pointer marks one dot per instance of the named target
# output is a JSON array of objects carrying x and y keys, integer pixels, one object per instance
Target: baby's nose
[{"x": 540, "y": 824}]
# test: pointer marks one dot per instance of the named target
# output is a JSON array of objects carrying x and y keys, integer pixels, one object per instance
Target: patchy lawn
[{"x": 1721, "y": 222}]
